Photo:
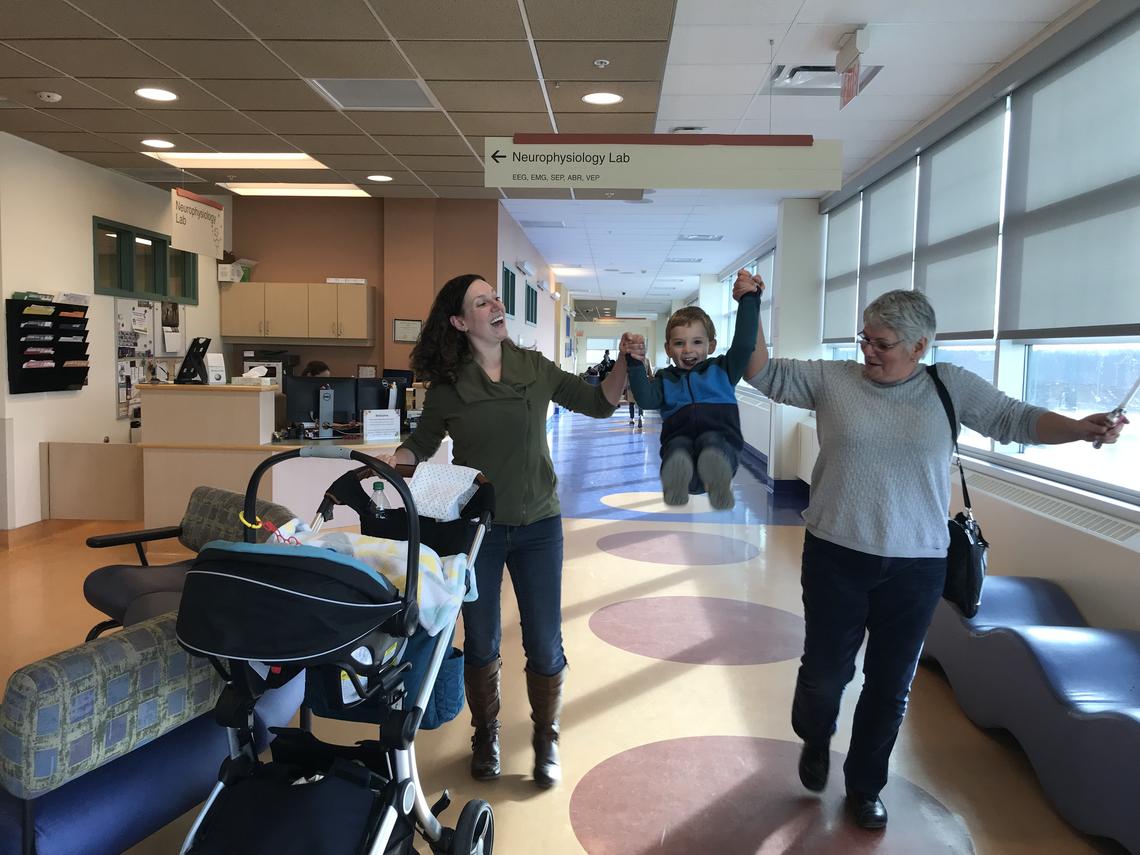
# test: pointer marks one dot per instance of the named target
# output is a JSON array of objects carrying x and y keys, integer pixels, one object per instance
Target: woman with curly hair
[{"x": 491, "y": 397}]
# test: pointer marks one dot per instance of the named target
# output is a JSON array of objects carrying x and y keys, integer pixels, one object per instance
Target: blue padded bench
[
  {"x": 1069, "y": 693},
  {"x": 104, "y": 744}
]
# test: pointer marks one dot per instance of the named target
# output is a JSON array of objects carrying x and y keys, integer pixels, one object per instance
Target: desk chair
[{"x": 129, "y": 593}]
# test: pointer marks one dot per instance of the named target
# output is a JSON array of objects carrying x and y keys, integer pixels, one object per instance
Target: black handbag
[{"x": 966, "y": 557}]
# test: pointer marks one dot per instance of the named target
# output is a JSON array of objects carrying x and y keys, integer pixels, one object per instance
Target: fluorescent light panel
[
  {"x": 285, "y": 189},
  {"x": 237, "y": 160}
]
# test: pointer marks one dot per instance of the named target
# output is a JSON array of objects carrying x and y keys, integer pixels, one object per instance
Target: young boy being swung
[{"x": 700, "y": 432}]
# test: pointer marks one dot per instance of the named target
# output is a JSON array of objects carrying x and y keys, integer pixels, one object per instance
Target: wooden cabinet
[{"x": 297, "y": 310}]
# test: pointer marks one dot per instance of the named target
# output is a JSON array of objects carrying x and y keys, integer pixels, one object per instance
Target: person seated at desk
[{"x": 316, "y": 368}]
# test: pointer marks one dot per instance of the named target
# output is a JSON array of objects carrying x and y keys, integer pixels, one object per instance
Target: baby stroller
[{"x": 264, "y": 612}]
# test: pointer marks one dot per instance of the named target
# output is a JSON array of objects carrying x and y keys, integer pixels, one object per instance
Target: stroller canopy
[{"x": 278, "y": 603}]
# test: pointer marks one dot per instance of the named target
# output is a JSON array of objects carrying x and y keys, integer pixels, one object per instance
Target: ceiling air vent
[
  {"x": 542, "y": 224},
  {"x": 700, "y": 237},
  {"x": 348, "y": 94},
  {"x": 813, "y": 79},
  {"x": 685, "y": 260}
]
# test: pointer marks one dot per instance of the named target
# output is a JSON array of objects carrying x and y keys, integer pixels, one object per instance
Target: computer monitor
[
  {"x": 400, "y": 374},
  {"x": 376, "y": 393},
  {"x": 193, "y": 368},
  {"x": 301, "y": 398}
]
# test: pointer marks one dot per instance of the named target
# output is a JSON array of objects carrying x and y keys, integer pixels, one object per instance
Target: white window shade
[
  {"x": 887, "y": 239},
  {"x": 842, "y": 276},
  {"x": 956, "y": 246},
  {"x": 1071, "y": 242}
]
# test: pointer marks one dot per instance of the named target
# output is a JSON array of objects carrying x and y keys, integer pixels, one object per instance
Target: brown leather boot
[
  {"x": 482, "y": 686},
  {"x": 546, "y": 706}
]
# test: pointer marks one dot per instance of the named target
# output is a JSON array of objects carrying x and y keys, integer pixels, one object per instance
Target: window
[
  {"x": 507, "y": 291},
  {"x": 887, "y": 235},
  {"x": 842, "y": 277},
  {"x": 134, "y": 262},
  {"x": 842, "y": 352},
  {"x": 978, "y": 358},
  {"x": 531, "y": 304}
]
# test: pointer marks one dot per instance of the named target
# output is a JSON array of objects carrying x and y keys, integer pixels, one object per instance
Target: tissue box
[{"x": 253, "y": 381}]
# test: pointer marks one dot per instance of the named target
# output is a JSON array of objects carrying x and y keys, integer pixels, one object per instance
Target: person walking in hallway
[
  {"x": 491, "y": 397},
  {"x": 874, "y": 557}
]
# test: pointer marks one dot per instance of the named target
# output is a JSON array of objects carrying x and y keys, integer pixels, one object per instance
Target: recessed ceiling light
[
  {"x": 602, "y": 98},
  {"x": 158, "y": 143},
  {"x": 237, "y": 160},
  {"x": 152, "y": 94},
  {"x": 287, "y": 189},
  {"x": 379, "y": 177}
]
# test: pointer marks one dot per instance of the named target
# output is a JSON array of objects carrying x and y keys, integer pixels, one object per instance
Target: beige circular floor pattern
[{"x": 654, "y": 503}]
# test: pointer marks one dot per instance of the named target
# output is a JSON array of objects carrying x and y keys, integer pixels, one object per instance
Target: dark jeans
[
  {"x": 694, "y": 447},
  {"x": 845, "y": 593},
  {"x": 533, "y": 555}
]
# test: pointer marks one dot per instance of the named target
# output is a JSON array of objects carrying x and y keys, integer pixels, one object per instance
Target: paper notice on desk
[{"x": 381, "y": 424}]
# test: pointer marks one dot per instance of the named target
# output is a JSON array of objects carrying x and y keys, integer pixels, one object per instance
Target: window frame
[
  {"x": 125, "y": 236},
  {"x": 531, "y": 307},
  {"x": 507, "y": 291}
]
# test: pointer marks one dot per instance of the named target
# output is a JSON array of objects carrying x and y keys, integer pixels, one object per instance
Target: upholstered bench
[
  {"x": 103, "y": 744},
  {"x": 1069, "y": 693}
]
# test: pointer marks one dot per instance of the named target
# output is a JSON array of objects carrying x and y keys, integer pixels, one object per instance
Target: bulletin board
[{"x": 150, "y": 340}]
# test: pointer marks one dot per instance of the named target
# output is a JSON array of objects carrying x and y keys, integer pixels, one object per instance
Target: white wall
[
  {"x": 47, "y": 201},
  {"x": 513, "y": 246},
  {"x": 584, "y": 330}
]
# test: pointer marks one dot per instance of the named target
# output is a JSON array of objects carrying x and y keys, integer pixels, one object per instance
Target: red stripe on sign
[
  {"x": 194, "y": 196},
  {"x": 666, "y": 139}
]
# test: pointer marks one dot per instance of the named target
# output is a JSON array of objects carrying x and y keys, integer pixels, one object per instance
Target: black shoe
[
  {"x": 815, "y": 760},
  {"x": 867, "y": 811}
]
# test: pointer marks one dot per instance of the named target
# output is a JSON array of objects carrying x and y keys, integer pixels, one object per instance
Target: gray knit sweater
[{"x": 881, "y": 483}]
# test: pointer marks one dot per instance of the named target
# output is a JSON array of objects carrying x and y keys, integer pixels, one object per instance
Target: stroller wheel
[{"x": 475, "y": 831}]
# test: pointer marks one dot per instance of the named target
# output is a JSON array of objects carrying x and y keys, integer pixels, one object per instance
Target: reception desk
[{"x": 217, "y": 435}]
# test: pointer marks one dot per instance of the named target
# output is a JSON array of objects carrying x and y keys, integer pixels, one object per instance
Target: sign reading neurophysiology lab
[
  {"x": 631, "y": 161},
  {"x": 199, "y": 224}
]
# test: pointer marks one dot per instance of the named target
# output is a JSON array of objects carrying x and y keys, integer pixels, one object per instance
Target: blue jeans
[
  {"x": 533, "y": 555},
  {"x": 694, "y": 447},
  {"x": 845, "y": 593}
]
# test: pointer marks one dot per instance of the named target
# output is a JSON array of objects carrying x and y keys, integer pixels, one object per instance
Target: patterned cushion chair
[
  {"x": 128, "y": 593},
  {"x": 103, "y": 744}
]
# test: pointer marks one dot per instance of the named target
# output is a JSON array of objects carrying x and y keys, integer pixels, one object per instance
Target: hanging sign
[
  {"x": 198, "y": 223},
  {"x": 631, "y": 161}
]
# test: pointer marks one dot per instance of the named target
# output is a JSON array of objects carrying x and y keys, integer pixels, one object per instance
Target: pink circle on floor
[
  {"x": 739, "y": 795},
  {"x": 672, "y": 547},
  {"x": 701, "y": 630}
]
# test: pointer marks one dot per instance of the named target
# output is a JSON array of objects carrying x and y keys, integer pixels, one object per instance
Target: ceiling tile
[
  {"x": 695, "y": 108},
  {"x": 232, "y": 174},
  {"x": 134, "y": 141},
  {"x": 47, "y": 19},
  {"x": 376, "y": 60},
  {"x": 640, "y": 97},
  {"x": 964, "y": 42},
  {"x": 15, "y": 64},
  {"x": 326, "y": 121},
  {"x": 608, "y": 195},
  {"x": 267, "y": 94},
  {"x": 19, "y": 119},
  {"x": 931, "y": 11},
  {"x": 627, "y": 60},
  {"x": 467, "y": 192},
  {"x": 163, "y": 19},
  {"x": 502, "y": 124},
  {"x": 446, "y": 19},
  {"x": 170, "y": 177},
  {"x": 111, "y": 121},
  {"x": 523, "y": 193},
  {"x": 611, "y": 123},
  {"x": 245, "y": 142},
  {"x": 398, "y": 176},
  {"x": 72, "y": 141},
  {"x": 301, "y": 19},
  {"x": 704, "y": 45},
  {"x": 114, "y": 160},
  {"x": 401, "y": 121},
  {"x": 219, "y": 60},
  {"x": 302, "y": 176},
  {"x": 458, "y": 60},
  {"x": 488, "y": 97},
  {"x": 190, "y": 96},
  {"x": 602, "y": 20},
  {"x": 451, "y": 179},
  {"x": 741, "y": 13},
  {"x": 315, "y": 144},
  {"x": 396, "y": 191},
  {"x": 372, "y": 162},
  {"x": 714, "y": 79},
  {"x": 926, "y": 78},
  {"x": 93, "y": 57},
  {"x": 441, "y": 163},
  {"x": 205, "y": 121},
  {"x": 22, "y": 90},
  {"x": 453, "y": 145}
]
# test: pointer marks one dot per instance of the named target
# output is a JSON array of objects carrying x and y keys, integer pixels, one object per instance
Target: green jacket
[{"x": 500, "y": 428}]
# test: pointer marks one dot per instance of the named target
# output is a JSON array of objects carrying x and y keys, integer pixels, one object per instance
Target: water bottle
[{"x": 379, "y": 502}]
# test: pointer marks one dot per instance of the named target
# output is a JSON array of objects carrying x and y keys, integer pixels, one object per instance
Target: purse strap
[{"x": 948, "y": 405}]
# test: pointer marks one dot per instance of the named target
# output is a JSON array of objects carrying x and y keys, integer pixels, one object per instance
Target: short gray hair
[{"x": 908, "y": 313}]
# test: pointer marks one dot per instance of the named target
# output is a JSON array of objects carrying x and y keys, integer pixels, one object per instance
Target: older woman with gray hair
[{"x": 874, "y": 556}]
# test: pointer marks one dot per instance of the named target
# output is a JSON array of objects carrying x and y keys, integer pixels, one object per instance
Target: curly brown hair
[
  {"x": 690, "y": 315},
  {"x": 441, "y": 348}
]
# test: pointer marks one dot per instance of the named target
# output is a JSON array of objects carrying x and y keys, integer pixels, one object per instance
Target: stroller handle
[{"x": 411, "y": 587}]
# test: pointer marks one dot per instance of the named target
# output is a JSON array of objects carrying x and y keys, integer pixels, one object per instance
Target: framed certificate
[{"x": 407, "y": 331}]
